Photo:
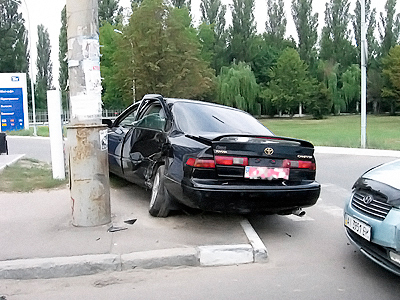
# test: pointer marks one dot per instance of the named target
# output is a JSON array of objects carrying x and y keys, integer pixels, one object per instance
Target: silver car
[{"x": 372, "y": 215}]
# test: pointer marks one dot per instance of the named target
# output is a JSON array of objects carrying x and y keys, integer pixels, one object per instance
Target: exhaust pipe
[{"x": 299, "y": 212}]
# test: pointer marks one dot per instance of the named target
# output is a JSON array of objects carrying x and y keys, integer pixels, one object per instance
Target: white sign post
[{"x": 56, "y": 137}]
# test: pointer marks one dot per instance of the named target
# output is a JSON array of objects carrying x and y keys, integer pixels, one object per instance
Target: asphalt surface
[{"x": 38, "y": 239}]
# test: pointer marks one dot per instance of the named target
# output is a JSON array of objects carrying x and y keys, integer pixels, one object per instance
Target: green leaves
[
  {"x": 160, "y": 52},
  {"x": 290, "y": 84},
  {"x": 237, "y": 87},
  {"x": 13, "y": 41},
  {"x": 391, "y": 72},
  {"x": 44, "y": 76}
]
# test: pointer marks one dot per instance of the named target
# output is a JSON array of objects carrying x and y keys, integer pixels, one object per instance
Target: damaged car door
[
  {"x": 146, "y": 143},
  {"x": 116, "y": 136}
]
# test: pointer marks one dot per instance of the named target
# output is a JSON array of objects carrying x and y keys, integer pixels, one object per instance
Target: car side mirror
[{"x": 107, "y": 122}]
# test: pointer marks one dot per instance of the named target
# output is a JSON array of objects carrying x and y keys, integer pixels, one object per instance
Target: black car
[{"x": 210, "y": 157}]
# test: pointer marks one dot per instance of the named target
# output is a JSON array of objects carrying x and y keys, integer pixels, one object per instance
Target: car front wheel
[{"x": 160, "y": 200}]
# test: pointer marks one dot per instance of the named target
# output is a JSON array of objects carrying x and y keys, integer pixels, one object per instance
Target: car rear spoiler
[{"x": 212, "y": 138}]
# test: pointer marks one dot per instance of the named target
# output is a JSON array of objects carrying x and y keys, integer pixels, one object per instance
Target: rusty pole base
[{"x": 89, "y": 175}]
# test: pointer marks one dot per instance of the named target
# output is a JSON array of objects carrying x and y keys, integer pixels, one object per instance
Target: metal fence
[{"x": 43, "y": 118}]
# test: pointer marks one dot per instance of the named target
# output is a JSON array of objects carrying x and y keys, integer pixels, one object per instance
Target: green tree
[
  {"x": 291, "y": 85},
  {"x": 242, "y": 30},
  {"x": 44, "y": 77},
  {"x": 212, "y": 33},
  {"x": 328, "y": 75},
  {"x": 112, "y": 96},
  {"x": 182, "y": 3},
  {"x": 264, "y": 55},
  {"x": 391, "y": 72},
  {"x": 351, "y": 87},
  {"x": 63, "y": 59},
  {"x": 389, "y": 27},
  {"x": 213, "y": 12},
  {"x": 370, "y": 20},
  {"x": 109, "y": 12},
  {"x": 374, "y": 91},
  {"x": 320, "y": 102},
  {"x": 14, "y": 55},
  {"x": 275, "y": 25},
  {"x": 161, "y": 54},
  {"x": 335, "y": 41},
  {"x": 237, "y": 87},
  {"x": 307, "y": 30}
]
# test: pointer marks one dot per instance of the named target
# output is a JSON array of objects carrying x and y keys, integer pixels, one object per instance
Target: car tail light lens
[
  {"x": 299, "y": 164},
  {"x": 201, "y": 163},
  {"x": 231, "y": 161}
]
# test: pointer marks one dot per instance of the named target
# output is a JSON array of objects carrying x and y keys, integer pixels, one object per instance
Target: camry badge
[
  {"x": 269, "y": 151},
  {"x": 367, "y": 199}
]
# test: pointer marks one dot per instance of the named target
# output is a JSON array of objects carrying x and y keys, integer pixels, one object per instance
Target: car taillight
[
  {"x": 201, "y": 163},
  {"x": 231, "y": 161},
  {"x": 298, "y": 164}
]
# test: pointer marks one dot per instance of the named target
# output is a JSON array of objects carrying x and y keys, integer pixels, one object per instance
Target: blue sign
[{"x": 11, "y": 109}]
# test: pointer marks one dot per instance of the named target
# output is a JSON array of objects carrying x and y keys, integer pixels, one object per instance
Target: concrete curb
[
  {"x": 356, "y": 151},
  {"x": 213, "y": 255},
  {"x": 56, "y": 267},
  {"x": 259, "y": 250},
  {"x": 174, "y": 257},
  {"x": 15, "y": 158}
]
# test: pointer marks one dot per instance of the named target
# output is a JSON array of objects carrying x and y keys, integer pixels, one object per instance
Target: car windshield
[{"x": 202, "y": 119}]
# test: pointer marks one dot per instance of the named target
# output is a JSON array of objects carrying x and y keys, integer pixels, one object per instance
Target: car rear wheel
[{"x": 160, "y": 200}]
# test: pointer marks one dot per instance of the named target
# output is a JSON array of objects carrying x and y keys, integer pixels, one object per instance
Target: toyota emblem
[
  {"x": 367, "y": 199},
  {"x": 269, "y": 151}
]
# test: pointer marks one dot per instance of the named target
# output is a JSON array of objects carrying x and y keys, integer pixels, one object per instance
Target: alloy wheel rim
[{"x": 154, "y": 191}]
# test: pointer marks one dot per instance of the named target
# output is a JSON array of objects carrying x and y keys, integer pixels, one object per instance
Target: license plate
[
  {"x": 266, "y": 173},
  {"x": 359, "y": 227}
]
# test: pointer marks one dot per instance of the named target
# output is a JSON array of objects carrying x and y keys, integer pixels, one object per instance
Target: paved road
[
  {"x": 313, "y": 252},
  {"x": 36, "y": 148}
]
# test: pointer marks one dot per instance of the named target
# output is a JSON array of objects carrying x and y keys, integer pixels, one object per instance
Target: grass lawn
[
  {"x": 27, "y": 175},
  {"x": 383, "y": 132},
  {"x": 41, "y": 131}
]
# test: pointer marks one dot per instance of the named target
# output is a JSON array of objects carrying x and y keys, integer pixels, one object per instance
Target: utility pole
[
  {"x": 87, "y": 137},
  {"x": 363, "y": 78}
]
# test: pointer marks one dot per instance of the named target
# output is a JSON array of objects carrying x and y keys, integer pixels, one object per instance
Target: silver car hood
[{"x": 388, "y": 173}]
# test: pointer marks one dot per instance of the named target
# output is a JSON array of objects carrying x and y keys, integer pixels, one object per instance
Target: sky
[{"x": 48, "y": 13}]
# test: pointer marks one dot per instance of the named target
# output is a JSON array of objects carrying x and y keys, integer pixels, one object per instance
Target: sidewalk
[{"x": 38, "y": 240}]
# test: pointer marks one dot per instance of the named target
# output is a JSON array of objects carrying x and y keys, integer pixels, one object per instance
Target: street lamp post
[
  {"x": 363, "y": 78},
  {"x": 30, "y": 69}
]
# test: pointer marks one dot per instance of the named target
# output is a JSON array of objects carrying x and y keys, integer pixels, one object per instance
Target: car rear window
[{"x": 202, "y": 118}]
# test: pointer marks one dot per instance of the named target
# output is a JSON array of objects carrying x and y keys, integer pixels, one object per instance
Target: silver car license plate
[{"x": 359, "y": 227}]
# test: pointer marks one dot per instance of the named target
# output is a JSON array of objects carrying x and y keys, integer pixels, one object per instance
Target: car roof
[{"x": 181, "y": 100}]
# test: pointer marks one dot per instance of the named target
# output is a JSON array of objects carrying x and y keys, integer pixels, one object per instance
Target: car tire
[{"x": 160, "y": 200}]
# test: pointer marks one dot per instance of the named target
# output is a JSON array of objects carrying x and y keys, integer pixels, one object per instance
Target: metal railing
[{"x": 43, "y": 118}]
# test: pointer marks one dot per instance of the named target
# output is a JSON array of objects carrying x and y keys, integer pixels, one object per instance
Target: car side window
[
  {"x": 153, "y": 118},
  {"x": 129, "y": 119}
]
